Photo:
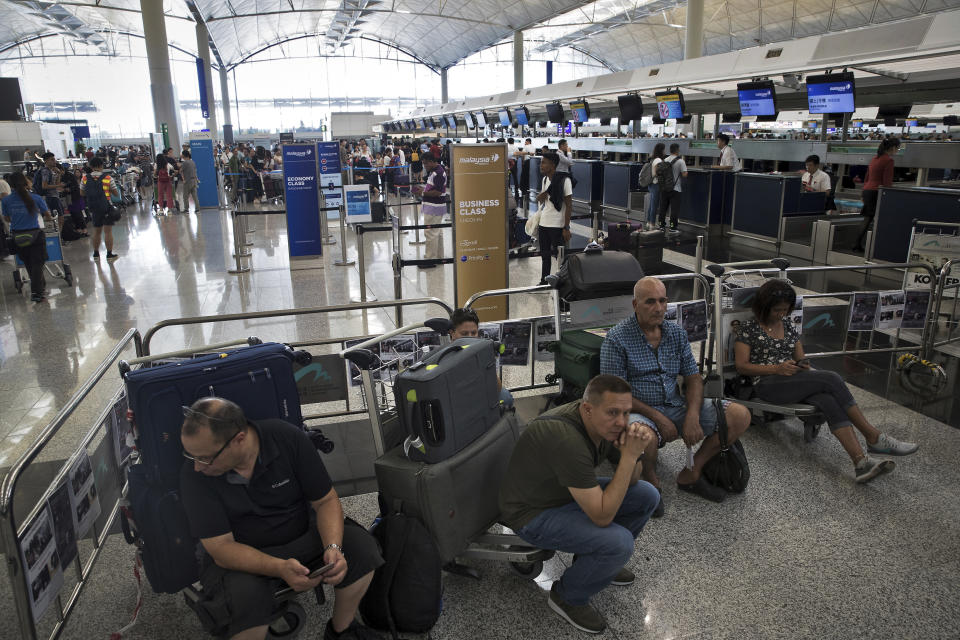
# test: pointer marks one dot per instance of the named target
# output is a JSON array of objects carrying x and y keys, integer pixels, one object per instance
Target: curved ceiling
[{"x": 622, "y": 34}]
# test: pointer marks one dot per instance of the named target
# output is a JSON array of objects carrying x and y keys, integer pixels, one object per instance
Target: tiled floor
[{"x": 804, "y": 553}]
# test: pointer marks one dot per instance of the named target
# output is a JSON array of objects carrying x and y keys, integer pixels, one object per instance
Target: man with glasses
[
  {"x": 650, "y": 354},
  {"x": 261, "y": 502}
]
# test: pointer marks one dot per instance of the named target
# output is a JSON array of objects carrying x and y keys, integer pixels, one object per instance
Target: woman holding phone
[{"x": 769, "y": 350}]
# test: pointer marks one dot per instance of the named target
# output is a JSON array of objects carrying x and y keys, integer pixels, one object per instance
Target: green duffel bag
[{"x": 576, "y": 358}]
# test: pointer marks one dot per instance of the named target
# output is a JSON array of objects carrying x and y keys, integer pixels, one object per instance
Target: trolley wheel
[
  {"x": 810, "y": 431},
  {"x": 289, "y": 624},
  {"x": 551, "y": 378},
  {"x": 17, "y": 281},
  {"x": 528, "y": 569}
]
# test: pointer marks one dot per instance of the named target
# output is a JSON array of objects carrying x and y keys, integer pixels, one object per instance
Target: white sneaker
[
  {"x": 868, "y": 468},
  {"x": 890, "y": 446}
]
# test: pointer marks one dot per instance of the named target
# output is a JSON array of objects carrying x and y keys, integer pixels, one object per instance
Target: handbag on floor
[{"x": 728, "y": 469}]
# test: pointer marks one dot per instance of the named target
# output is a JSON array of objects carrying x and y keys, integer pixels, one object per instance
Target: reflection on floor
[{"x": 803, "y": 553}]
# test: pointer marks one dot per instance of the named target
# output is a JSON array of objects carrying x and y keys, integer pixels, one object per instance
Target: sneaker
[
  {"x": 36, "y": 297},
  {"x": 112, "y": 256},
  {"x": 96, "y": 255},
  {"x": 890, "y": 446},
  {"x": 868, "y": 468},
  {"x": 623, "y": 578},
  {"x": 355, "y": 631},
  {"x": 583, "y": 617}
]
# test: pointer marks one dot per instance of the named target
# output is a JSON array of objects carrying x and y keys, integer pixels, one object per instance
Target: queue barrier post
[
  {"x": 238, "y": 248},
  {"x": 343, "y": 261},
  {"x": 325, "y": 236},
  {"x": 362, "y": 265}
]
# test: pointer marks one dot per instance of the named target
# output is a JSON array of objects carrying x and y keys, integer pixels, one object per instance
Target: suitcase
[
  {"x": 596, "y": 273},
  {"x": 449, "y": 399},
  {"x": 647, "y": 248},
  {"x": 378, "y": 212},
  {"x": 456, "y": 499},
  {"x": 618, "y": 235},
  {"x": 258, "y": 378},
  {"x": 576, "y": 358}
]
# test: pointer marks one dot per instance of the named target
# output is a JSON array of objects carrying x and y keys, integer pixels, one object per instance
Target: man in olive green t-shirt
[{"x": 552, "y": 498}]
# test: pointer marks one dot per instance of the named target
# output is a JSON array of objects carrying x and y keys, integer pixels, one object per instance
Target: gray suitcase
[
  {"x": 647, "y": 248},
  {"x": 449, "y": 399},
  {"x": 456, "y": 499}
]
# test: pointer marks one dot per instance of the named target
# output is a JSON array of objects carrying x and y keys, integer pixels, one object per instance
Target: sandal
[{"x": 704, "y": 489}]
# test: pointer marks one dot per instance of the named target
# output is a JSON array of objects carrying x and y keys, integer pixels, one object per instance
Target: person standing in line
[
  {"x": 51, "y": 176},
  {"x": 173, "y": 168},
  {"x": 566, "y": 158},
  {"x": 164, "y": 184},
  {"x": 146, "y": 177},
  {"x": 879, "y": 174},
  {"x": 97, "y": 188},
  {"x": 670, "y": 193},
  {"x": 434, "y": 207},
  {"x": 188, "y": 173},
  {"x": 556, "y": 201},
  {"x": 728, "y": 157},
  {"x": 653, "y": 189},
  {"x": 21, "y": 210}
]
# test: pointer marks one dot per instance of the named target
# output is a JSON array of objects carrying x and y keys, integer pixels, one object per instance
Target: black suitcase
[
  {"x": 378, "y": 212},
  {"x": 596, "y": 273},
  {"x": 456, "y": 499},
  {"x": 618, "y": 235},
  {"x": 449, "y": 399},
  {"x": 258, "y": 378},
  {"x": 647, "y": 248}
]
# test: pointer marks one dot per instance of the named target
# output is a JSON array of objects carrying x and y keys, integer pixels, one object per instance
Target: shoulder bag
[{"x": 728, "y": 469}]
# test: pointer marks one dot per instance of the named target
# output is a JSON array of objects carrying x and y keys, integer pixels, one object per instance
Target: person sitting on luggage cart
[
  {"x": 551, "y": 497},
  {"x": 649, "y": 354},
  {"x": 465, "y": 323},
  {"x": 259, "y": 499}
]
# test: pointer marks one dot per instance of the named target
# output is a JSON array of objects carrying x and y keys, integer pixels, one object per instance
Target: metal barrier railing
[{"x": 12, "y": 533}]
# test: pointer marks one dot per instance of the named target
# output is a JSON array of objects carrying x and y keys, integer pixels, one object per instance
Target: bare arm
[
  {"x": 744, "y": 366},
  {"x": 330, "y": 527},
  {"x": 234, "y": 556}
]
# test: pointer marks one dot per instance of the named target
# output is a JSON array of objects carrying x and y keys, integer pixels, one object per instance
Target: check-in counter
[
  {"x": 588, "y": 175},
  {"x": 701, "y": 204},
  {"x": 898, "y": 207},
  {"x": 620, "y": 179}
]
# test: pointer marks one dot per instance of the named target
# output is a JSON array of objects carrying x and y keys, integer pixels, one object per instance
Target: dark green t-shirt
[{"x": 550, "y": 456}]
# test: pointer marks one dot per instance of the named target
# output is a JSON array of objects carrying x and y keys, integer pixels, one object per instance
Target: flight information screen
[
  {"x": 757, "y": 99},
  {"x": 830, "y": 94}
]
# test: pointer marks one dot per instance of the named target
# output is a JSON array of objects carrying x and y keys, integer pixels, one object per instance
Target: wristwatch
[{"x": 334, "y": 545}]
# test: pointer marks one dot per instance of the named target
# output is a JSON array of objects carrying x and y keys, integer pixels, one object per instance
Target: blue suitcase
[{"x": 259, "y": 378}]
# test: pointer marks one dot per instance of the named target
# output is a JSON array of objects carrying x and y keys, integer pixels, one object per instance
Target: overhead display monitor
[
  {"x": 481, "y": 118},
  {"x": 658, "y": 120},
  {"x": 856, "y": 124},
  {"x": 757, "y": 98},
  {"x": 505, "y": 118},
  {"x": 605, "y": 122},
  {"x": 522, "y": 116},
  {"x": 833, "y": 93},
  {"x": 912, "y": 123},
  {"x": 951, "y": 121},
  {"x": 468, "y": 120},
  {"x": 687, "y": 119},
  {"x": 581, "y": 110},
  {"x": 893, "y": 111},
  {"x": 555, "y": 112},
  {"x": 670, "y": 104},
  {"x": 730, "y": 117},
  {"x": 451, "y": 120},
  {"x": 631, "y": 107}
]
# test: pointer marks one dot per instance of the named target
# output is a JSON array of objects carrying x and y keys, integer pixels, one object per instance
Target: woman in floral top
[{"x": 769, "y": 350}]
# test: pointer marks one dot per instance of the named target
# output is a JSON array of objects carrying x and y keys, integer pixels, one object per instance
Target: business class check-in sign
[{"x": 480, "y": 226}]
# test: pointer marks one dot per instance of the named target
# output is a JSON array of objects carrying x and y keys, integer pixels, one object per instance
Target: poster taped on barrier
[
  {"x": 323, "y": 380},
  {"x": 515, "y": 337},
  {"x": 43, "y": 569},
  {"x": 890, "y": 315},
  {"x": 490, "y": 331},
  {"x": 546, "y": 334},
  {"x": 83, "y": 494},
  {"x": 63, "y": 528},
  {"x": 863, "y": 311},
  {"x": 796, "y": 316},
  {"x": 916, "y": 304},
  {"x": 123, "y": 440},
  {"x": 693, "y": 319}
]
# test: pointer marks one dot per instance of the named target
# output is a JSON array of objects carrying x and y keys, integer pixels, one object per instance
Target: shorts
[
  {"x": 100, "y": 219},
  {"x": 244, "y": 600},
  {"x": 708, "y": 419}
]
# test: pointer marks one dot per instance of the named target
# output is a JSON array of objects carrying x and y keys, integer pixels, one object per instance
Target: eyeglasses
[{"x": 207, "y": 460}]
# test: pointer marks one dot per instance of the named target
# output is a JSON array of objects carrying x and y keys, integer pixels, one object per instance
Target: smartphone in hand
[{"x": 316, "y": 573}]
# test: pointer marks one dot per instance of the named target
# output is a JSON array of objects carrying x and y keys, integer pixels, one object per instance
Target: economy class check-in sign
[{"x": 480, "y": 226}]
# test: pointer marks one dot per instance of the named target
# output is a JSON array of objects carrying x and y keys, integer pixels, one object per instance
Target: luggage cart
[
  {"x": 376, "y": 376},
  {"x": 55, "y": 265}
]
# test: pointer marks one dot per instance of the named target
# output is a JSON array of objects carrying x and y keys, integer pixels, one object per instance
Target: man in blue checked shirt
[{"x": 649, "y": 354}]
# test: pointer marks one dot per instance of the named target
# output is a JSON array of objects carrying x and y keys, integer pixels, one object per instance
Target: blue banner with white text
[
  {"x": 302, "y": 196},
  {"x": 331, "y": 182}
]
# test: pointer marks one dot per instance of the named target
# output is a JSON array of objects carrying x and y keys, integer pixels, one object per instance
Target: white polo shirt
[
  {"x": 549, "y": 215},
  {"x": 728, "y": 158},
  {"x": 817, "y": 181}
]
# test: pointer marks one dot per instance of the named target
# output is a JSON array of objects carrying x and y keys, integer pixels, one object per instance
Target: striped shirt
[{"x": 651, "y": 373}]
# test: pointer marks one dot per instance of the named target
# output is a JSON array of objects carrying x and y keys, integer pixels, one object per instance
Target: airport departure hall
[{"x": 360, "y": 319}]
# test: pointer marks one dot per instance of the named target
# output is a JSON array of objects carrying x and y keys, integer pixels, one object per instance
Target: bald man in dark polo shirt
[
  {"x": 259, "y": 499},
  {"x": 552, "y": 498}
]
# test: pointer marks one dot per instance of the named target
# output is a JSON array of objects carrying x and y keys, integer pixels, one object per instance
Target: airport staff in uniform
[
  {"x": 814, "y": 178},
  {"x": 552, "y": 498},
  {"x": 728, "y": 157},
  {"x": 259, "y": 499}
]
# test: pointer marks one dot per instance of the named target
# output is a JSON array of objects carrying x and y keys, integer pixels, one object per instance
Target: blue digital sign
[
  {"x": 581, "y": 111},
  {"x": 504, "y": 117},
  {"x": 523, "y": 118},
  {"x": 669, "y": 104},
  {"x": 831, "y": 94},
  {"x": 757, "y": 100}
]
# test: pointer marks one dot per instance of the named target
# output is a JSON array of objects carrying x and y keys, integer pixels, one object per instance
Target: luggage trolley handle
[{"x": 126, "y": 365}]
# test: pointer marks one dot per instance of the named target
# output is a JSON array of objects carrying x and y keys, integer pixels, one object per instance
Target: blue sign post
[
  {"x": 331, "y": 181},
  {"x": 201, "y": 151},
  {"x": 304, "y": 235}
]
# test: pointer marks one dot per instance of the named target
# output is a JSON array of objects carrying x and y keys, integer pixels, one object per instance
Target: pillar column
[
  {"x": 203, "y": 52},
  {"x": 517, "y": 60},
  {"x": 444, "y": 97},
  {"x": 693, "y": 45},
  {"x": 225, "y": 104},
  {"x": 166, "y": 111}
]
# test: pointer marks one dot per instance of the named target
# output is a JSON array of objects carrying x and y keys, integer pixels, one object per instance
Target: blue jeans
[
  {"x": 653, "y": 202},
  {"x": 506, "y": 397},
  {"x": 601, "y": 551}
]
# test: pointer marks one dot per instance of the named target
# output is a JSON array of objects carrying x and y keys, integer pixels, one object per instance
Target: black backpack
[
  {"x": 665, "y": 180},
  {"x": 407, "y": 592},
  {"x": 96, "y": 199}
]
